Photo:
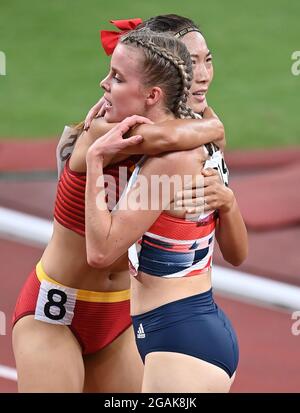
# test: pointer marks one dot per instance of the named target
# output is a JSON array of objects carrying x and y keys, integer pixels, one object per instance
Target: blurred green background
[{"x": 55, "y": 62}]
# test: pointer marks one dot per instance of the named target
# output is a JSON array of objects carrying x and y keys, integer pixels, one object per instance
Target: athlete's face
[
  {"x": 124, "y": 91},
  {"x": 202, "y": 70}
]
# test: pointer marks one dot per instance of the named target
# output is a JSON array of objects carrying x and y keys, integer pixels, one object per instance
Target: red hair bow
[{"x": 110, "y": 39}]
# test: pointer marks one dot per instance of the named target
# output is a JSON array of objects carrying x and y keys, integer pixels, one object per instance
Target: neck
[{"x": 159, "y": 115}]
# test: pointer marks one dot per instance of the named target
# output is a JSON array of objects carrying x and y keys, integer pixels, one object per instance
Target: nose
[
  {"x": 105, "y": 84},
  {"x": 201, "y": 74}
]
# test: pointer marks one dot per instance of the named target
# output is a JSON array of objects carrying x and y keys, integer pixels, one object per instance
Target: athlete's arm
[
  {"x": 173, "y": 135},
  {"x": 179, "y": 135},
  {"x": 109, "y": 235},
  {"x": 231, "y": 232}
]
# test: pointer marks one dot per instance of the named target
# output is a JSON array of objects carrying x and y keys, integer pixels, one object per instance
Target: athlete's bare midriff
[
  {"x": 65, "y": 261},
  {"x": 149, "y": 292}
]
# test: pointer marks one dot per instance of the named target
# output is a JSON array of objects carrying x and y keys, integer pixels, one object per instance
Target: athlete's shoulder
[
  {"x": 98, "y": 127},
  {"x": 177, "y": 162}
]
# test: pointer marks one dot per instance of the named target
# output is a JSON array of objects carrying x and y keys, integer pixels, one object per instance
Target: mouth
[
  {"x": 108, "y": 104},
  {"x": 200, "y": 95}
]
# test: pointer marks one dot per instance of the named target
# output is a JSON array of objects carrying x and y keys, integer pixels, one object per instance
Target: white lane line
[
  {"x": 8, "y": 373},
  {"x": 257, "y": 290},
  {"x": 24, "y": 227}
]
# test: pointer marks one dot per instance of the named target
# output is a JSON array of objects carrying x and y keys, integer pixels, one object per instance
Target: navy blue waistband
[{"x": 195, "y": 304}]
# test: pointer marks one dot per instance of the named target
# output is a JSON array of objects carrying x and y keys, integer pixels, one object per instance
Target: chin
[
  {"x": 110, "y": 118},
  {"x": 197, "y": 106}
]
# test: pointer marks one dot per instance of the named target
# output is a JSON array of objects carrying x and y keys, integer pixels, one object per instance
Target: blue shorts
[{"x": 195, "y": 326}]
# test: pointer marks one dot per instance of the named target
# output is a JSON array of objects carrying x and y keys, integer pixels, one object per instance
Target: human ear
[{"x": 153, "y": 96}]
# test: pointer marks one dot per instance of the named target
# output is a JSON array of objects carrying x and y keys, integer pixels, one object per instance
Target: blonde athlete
[{"x": 186, "y": 342}]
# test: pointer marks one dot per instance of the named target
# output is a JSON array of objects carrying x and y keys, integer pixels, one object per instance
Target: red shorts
[{"x": 95, "y": 318}]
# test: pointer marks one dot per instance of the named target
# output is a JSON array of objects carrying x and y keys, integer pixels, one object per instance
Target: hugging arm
[
  {"x": 231, "y": 235},
  {"x": 231, "y": 232},
  {"x": 171, "y": 135},
  {"x": 179, "y": 135},
  {"x": 109, "y": 235}
]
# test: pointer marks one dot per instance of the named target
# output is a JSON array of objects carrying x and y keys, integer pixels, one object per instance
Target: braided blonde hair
[{"x": 167, "y": 64}]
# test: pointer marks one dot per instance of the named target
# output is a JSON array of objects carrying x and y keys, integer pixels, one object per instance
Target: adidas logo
[{"x": 141, "y": 332}]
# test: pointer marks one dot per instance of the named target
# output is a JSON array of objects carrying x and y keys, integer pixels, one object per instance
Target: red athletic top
[{"x": 70, "y": 198}]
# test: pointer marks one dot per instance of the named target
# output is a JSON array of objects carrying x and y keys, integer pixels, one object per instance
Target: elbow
[
  {"x": 97, "y": 260},
  {"x": 237, "y": 259}
]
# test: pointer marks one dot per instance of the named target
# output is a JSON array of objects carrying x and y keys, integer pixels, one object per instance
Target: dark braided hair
[
  {"x": 178, "y": 26},
  {"x": 167, "y": 64},
  {"x": 169, "y": 23}
]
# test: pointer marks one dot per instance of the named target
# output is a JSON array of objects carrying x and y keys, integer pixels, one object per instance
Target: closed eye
[{"x": 117, "y": 78}]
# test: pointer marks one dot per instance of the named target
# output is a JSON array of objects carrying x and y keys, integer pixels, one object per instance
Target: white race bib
[
  {"x": 55, "y": 304},
  {"x": 217, "y": 161}
]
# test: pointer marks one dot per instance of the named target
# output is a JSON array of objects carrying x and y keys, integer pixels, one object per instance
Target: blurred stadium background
[{"x": 54, "y": 62}]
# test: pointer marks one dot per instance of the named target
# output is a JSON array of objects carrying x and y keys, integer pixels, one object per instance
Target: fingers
[
  {"x": 199, "y": 186},
  {"x": 199, "y": 210},
  {"x": 101, "y": 108},
  {"x": 207, "y": 177},
  {"x": 188, "y": 194},
  {"x": 131, "y": 121},
  {"x": 190, "y": 202},
  {"x": 88, "y": 120},
  {"x": 101, "y": 112},
  {"x": 204, "y": 204},
  {"x": 193, "y": 192},
  {"x": 133, "y": 140},
  {"x": 114, "y": 147},
  {"x": 93, "y": 113},
  {"x": 210, "y": 195},
  {"x": 196, "y": 202},
  {"x": 209, "y": 172},
  {"x": 209, "y": 186},
  {"x": 211, "y": 177}
]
